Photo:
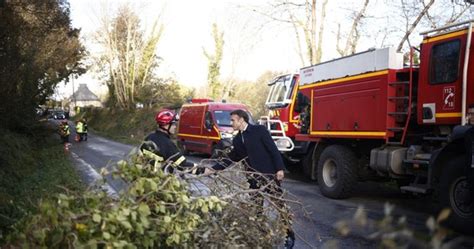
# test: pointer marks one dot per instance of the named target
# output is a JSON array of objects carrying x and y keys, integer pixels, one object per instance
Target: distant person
[
  {"x": 84, "y": 129},
  {"x": 255, "y": 144},
  {"x": 79, "y": 130},
  {"x": 64, "y": 132}
]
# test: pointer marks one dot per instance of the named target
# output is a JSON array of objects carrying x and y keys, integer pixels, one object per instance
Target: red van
[{"x": 203, "y": 123}]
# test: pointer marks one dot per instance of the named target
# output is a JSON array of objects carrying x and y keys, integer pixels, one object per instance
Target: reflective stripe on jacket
[{"x": 66, "y": 130}]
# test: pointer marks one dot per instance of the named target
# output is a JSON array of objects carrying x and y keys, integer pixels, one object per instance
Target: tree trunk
[{"x": 413, "y": 25}]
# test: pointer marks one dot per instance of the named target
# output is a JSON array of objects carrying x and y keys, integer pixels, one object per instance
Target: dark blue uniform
[
  {"x": 167, "y": 149},
  {"x": 257, "y": 144}
]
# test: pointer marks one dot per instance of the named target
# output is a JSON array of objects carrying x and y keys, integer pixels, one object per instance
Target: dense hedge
[
  {"x": 129, "y": 126},
  {"x": 32, "y": 167}
]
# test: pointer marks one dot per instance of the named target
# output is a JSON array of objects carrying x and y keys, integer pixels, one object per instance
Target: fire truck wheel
[
  {"x": 337, "y": 172},
  {"x": 455, "y": 195}
]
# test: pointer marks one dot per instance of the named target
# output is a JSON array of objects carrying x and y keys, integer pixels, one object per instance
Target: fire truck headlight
[
  {"x": 226, "y": 135},
  {"x": 283, "y": 143}
]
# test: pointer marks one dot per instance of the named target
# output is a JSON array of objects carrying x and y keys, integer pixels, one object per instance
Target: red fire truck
[
  {"x": 369, "y": 117},
  {"x": 203, "y": 123}
]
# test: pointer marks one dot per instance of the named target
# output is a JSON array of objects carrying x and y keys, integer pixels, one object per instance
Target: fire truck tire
[
  {"x": 454, "y": 194},
  {"x": 337, "y": 172}
]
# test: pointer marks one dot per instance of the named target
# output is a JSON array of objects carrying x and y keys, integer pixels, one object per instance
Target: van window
[
  {"x": 222, "y": 118},
  {"x": 444, "y": 64}
]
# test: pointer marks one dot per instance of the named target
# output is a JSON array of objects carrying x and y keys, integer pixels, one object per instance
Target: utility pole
[{"x": 73, "y": 95}]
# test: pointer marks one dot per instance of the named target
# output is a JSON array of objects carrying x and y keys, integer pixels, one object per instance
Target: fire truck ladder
[{"x": 400, "y": 95}]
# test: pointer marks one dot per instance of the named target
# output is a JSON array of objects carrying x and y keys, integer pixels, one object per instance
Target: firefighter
[
  {"x": 159, "y": 142},
  {"x": 84, "y": 129},
  {"x": 64, "y": 132},
  {"x": 79, "y": 130}
]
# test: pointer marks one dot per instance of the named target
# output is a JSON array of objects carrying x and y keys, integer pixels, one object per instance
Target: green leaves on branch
[{"x": 155, "y": 211}]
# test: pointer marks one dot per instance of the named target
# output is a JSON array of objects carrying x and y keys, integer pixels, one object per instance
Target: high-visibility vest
[
  {"x": 66, "y": 130},
  {"x": 79, "y": 127}
]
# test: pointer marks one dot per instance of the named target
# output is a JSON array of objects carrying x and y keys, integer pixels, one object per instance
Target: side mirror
[{"x": 208, "y": 124}]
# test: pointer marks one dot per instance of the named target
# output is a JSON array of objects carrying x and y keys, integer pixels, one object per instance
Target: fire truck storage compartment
[
  {"x": 369, "y": 61},
  {"x": 388, "y": 160},
  {"x": 355, "y": 88},
  {"x": 360, "y": 105}
]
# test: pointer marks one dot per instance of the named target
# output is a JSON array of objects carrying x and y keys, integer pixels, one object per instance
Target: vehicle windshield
[
  {"x": 281, "y": 90},
  {"x": 222, "y": 118}
]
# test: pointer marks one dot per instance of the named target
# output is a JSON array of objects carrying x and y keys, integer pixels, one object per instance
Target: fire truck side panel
[
  {"x": 440, "y": 85},
  {"x": 360, "y": 105}
]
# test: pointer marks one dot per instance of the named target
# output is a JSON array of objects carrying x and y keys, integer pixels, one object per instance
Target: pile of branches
[{"x": 160, "y": 208}]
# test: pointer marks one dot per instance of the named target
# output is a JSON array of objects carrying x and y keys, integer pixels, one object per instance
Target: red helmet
[{"x": 164, "y": 117}]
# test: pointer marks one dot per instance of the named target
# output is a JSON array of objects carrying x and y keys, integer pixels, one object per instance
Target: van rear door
[{"x": 190, "y": 127}]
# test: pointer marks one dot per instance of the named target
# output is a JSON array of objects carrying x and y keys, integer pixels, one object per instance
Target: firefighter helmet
[{"x": 165, "y": 117}]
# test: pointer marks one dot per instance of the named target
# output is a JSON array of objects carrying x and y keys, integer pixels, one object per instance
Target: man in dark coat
[
  {"x": 256, "y": 143},
  {"x": 263, "y": 157}
]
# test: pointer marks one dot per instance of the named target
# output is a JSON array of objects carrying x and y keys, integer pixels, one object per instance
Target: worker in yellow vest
[
  {"x": 64, "y": 132},
  {"x": 84, "y": 129},
  {"x": 79, "y": 130}
]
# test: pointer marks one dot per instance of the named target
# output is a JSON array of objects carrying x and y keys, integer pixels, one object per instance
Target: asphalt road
[{"x": 314, "y": 221}]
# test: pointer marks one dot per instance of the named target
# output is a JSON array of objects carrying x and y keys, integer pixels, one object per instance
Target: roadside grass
[
  {"x": 127, "y": 126},
  {"x": 32, "y": 167}
]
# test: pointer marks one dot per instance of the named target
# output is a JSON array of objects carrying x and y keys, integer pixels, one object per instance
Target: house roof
[{"x": 84, "y": 94}]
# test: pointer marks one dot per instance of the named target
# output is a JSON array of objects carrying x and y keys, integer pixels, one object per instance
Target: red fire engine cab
[
  {"x": 203, "y": 123},
  {"x": 369, "y": 116}
]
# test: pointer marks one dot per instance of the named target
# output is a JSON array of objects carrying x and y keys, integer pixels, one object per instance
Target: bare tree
[
  {"x": 353, "y": 35},
  {"x": 129, "y": 55},
  {"x": 431, "y": 14},
  {"x": 302, "y": 17},
  {"x": 214, "y": 62},
  {"x": 414, "y": 24}
]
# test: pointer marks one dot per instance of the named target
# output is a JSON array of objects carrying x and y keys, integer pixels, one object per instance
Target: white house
[{"x": 84, "y": 97}]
